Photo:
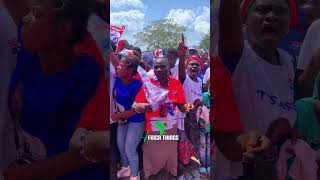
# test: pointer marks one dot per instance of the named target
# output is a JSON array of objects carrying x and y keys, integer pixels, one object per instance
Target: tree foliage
[
  {"x": 160, "y": 34},
  {"x": 205, "y": 42}
]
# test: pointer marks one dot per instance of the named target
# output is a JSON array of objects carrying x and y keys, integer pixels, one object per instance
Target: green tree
[
  {"x": 205, "y": 42},
  {"x": 162, "y": 34}
]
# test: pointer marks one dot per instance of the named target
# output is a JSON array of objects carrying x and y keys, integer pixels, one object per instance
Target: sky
[{"x": 136, "y": 14}]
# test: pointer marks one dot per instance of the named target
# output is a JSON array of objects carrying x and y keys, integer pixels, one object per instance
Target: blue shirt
[
  {"x": 52, "y": 104},
  {"x": 125, "y": 96}
]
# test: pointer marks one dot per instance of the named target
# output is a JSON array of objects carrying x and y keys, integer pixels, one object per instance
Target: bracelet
[{"x": 134, "y": 108}]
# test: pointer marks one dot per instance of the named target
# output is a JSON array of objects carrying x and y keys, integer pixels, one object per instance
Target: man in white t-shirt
[
  {"x": 262, "y": 75},
  {"x": 308, "y": 58},
  {"x": 8, "y": 49}
]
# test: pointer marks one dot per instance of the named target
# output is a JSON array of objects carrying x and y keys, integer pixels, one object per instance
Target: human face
[
  {"x": 193, "y": 68},
  {"x": 268, "y": 22},
  {"x": 123, "y": 70},
  {"x": 172, "y": 58},
  {"x": 161, "y": 69},
  {"x": 204, "y": 56},
  {"x": 40, "y": 29}
]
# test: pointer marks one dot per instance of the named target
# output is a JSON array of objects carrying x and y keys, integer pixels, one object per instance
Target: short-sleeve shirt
[
  {"x": 175, "y": 96},
  {"x": 52, "y": 105},
  {"x": 263, "y": 91},
  {"x": 95, "y": 115},
  {"x": 192, "y": 89},
  {"x": 310, "y": 45},
  {"x": 125, "y": 95}
]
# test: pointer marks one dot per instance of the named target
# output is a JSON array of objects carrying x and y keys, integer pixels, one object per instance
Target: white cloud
[
  {"x": 133, "y": 20},
  {"x": 126, "y": 3},
  {"x": 202, "y": 22},
  {"x": 183, "y": 17}
]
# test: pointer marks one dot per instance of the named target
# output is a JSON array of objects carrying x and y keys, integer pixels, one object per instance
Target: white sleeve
[
  {"x": 310, "y": 45},
  {"x": 206, "y": 76}
]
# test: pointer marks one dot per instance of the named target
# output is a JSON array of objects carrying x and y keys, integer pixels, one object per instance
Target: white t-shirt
[
  {"x": 192, "y": 89},
  {"x": 206, "y": 76},
  {"x": 263, "y": 92},
  {"x": 310, "y": 44},
  {"x": 8, "y": 47}
]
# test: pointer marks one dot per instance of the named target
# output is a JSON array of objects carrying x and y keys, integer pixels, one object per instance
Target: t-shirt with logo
[
  {"x": 175, "y": 96},
  {"x": 192, "y": 89},
  {"x": 263, "y": 92},
  {"x": 8, "y": 50}
]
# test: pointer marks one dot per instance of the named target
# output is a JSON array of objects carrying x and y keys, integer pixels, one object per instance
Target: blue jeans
[
  {"x": 114, "y": 152},
  {"x": 204, "y": 149},
  {"x": 128, "y": 138}
]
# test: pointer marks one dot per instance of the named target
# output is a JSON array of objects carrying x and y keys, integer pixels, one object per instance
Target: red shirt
[
  {"x": 225, "y": 112},
  {"x": 175, "y": 96},
  {"x": 96, "y": 114}
]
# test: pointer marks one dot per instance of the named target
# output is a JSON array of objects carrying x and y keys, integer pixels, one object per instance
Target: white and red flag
[{"x": 116, "y": 33}]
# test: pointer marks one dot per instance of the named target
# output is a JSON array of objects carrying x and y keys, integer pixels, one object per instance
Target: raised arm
[
  {"x": 230, "y": 37},
  {"x": 17, "y": 9},
  {"x": 113, "y": 58},
  {"x": 182, "y": 50}
]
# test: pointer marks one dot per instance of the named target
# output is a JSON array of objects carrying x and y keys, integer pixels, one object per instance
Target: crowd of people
[
  {"x": 265, "y": 73},
  {"x": 262, "y": 95},
  {"x": 54, "y": 106},
  {"x": 168, "y": 86}
]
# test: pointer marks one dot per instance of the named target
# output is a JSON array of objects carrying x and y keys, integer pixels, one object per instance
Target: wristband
[{"x": 134, "y": 107}]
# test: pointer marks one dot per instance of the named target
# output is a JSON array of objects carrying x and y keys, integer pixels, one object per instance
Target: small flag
[
  {"x": 159, "y": 53},
  {"x": 116, "y": 33}
]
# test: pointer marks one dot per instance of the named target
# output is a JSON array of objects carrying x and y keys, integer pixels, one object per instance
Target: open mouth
[
  {"x": 194, "y": 71},
  {"x": 269, "y": 31}
]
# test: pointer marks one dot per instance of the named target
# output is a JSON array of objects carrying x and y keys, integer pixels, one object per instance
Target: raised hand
[{"x": 182, "y": 49}]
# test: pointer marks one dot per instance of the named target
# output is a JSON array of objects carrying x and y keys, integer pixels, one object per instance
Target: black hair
[
  {"x": 137, "y": 49},
  {"x": 76, "y": 12},
  {"x": 133, "y": 63},
  {"x": 173, "y": 51}
]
